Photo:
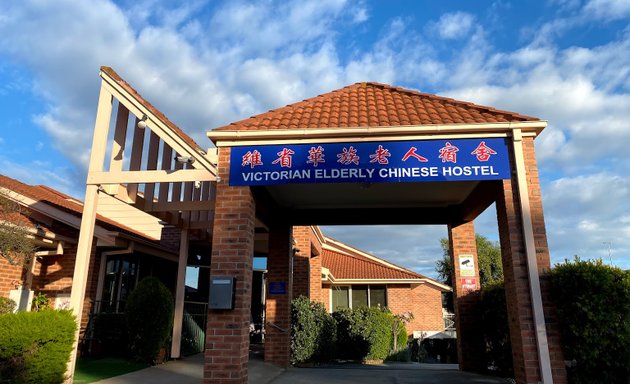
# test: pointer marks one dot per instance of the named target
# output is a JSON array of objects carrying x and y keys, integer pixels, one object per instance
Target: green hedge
[
  {"x": 35, "y": 346},
  {"x": 349, "y": 334},
  {"x": 313, "y": 332},
  {"x": 495, "y": 329},
  {"x": 593, "y": 302},
  {"x": 149, "y": 313},
  {"x": 364, "y": 333}
]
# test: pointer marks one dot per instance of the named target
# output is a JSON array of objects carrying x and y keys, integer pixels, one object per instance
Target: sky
[{"x": 208, "y": 63}]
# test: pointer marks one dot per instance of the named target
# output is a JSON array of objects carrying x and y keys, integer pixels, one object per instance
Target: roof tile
[{"x": 374, "y": 104}]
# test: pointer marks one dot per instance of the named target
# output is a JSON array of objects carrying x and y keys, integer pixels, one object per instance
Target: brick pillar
[
  {"x": 315, "y": 292},
  {"x": 302, "y": 243},
  {"x": 227, "y": 331},
  {"x": 278, "y": 308},
  {"x": 463, "y": 249},
  {"x": 518, "y": 296}
]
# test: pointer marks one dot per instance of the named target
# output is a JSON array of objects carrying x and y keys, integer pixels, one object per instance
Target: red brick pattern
[
  {"x": 278, "y": 306},
  {"x": 301, "y": 272},
  {"x": 522, "y": 331},
  {"x": 316, "y": 292},
  {"x": 10, "y": 276},
  {"x": 469, "y": 346},
  {"x": 373, "y": 105},
  {"x": 424, "y": 301},
  {"x": 227, "y": 331}
]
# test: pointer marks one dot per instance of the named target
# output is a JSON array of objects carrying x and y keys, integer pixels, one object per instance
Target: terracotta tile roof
[
  {"x": 374, "y": 105},
  {"x": 344, "y": 266},
  {"x": 60, "y": 201},
  {"x": 109, "y": 71}
]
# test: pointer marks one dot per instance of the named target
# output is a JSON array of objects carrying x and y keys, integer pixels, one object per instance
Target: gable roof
[
  {"x": 373, "y": 104},
  {"x": 61, "y": 201},
  {"x": 133, "y": 93},
  {"x": 346, "y": 264}
]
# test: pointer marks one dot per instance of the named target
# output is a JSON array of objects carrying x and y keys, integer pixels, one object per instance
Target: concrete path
[{"x": 190, "y": 371}]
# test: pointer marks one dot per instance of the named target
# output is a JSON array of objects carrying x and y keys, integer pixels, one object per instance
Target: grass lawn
[{"x": 90, "y": 370}]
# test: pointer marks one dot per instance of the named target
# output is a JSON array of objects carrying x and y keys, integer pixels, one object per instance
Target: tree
[
  {"x": 489, "y": 262},
  {"x": 15, "y": 244}
]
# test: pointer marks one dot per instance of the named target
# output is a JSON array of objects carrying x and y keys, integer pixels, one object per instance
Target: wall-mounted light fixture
[
  {"x": 185, "y": 159},
  {"x": 142, "y": 123}
]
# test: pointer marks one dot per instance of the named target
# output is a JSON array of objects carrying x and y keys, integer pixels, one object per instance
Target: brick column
[
  {"x": 278, "y": 308},
  {"x": 518, "y": 294},
  {"x": 463, "y": 248},
  {"x": 227, "y": 332},
  {"x": 302, "y": 242},
  {"x": 315, "y": 291}
]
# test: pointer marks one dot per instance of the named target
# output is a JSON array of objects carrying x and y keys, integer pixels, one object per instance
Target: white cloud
[
  {"x": 607, "y": 9},
  {"x": 454, "y": 25}
]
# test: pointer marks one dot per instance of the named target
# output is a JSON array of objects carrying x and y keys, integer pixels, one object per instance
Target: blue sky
[{"x": 208, "y": 63}]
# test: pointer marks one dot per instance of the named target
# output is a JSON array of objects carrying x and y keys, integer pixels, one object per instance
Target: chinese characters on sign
[{"x": 371, "y": 162}]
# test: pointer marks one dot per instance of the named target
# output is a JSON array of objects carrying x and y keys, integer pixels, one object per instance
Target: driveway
[
  {"x": 394, "y": 374},
  {"x": 189, "y": 370}
]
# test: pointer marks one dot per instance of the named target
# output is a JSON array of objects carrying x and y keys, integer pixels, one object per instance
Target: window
[{"x": 355, "y": 296}]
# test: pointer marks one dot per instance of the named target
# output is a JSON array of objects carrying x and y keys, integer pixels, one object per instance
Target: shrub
[
  {"x": 7, "y": 305},
  {"x": 495, "y": 329},
  {"x": 364, "y": 333},
  {"x": 40, "y": 302},
  {"x": 149, "y": 314},
  {"x": 593, "y": 303},
  {"x": 313, "y": 332},
  {"x": 35, "y": 346}
]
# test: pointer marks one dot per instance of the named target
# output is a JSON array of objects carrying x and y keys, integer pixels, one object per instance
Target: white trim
[
  {"x": 221, "y": 137},
  {"x": 542, "y": 344}
]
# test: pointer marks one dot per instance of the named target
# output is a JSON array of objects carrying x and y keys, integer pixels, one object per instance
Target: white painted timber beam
[
  {"x": 179, "y": 295},
  {"x": 88, "y": 220},
  {"x": 155, "y": 176}
]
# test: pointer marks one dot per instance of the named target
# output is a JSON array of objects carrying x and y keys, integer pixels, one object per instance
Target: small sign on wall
[
  {"x": 277, "y": 288},
  {"x": 466, "y": 265},
  {"x": 469, "y": 284}
]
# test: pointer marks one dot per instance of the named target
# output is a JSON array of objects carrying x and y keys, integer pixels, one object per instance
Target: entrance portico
[
  {"x": 374, "y": 154},
  {"x": 365, "y": 154}
]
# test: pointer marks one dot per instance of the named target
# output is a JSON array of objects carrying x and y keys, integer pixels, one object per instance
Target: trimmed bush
[
  {"x": 364, "y": 333},
  {"x": 7, "y": 305},
  {"x": 593, "y": 303},
  {"x": 495, "y": 329},
  {"x": 35, "y": 346},
  {"x": 313, "y": 332},
  {"x": 149, "y": 314}
]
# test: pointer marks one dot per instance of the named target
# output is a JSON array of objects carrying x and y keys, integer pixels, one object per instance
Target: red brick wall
[
  {"x": 10, "y": 275},
  {"x": 278, "y": 307},
  {"x": 227, "y": 331},
  {"x": 469, "y": 345},
  {"x": 424, "y": 301},
  {"x": 301, "y": 272}
]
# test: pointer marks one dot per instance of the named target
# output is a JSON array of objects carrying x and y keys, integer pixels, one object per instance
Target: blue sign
[
  {"x": 371, "y": 162},
  {"x": 277, "y": 288}
]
